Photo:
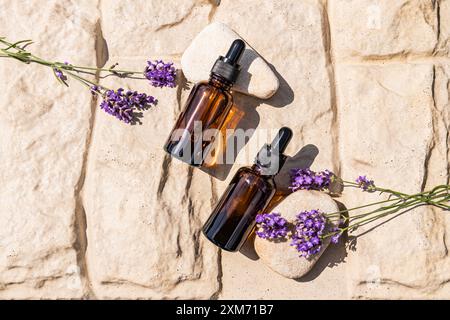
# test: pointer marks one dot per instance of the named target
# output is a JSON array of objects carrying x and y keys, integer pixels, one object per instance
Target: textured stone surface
[
  {"x": 151, "y": 25},
  {"x": 144, "y": 210},
  {"x": 280, "y": 256},
  {"x": 383, "y": 106},
  {"x": 43, "y": 142},
  {"x": 444, "y": 28},
  {"x": 256, "y": 77},
  {"x": 91, "y": 208}
]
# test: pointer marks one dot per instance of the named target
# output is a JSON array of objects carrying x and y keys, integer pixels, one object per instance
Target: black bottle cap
[
  {"x": 270, "y": 158},
  {"x": 228, "y": 67}
]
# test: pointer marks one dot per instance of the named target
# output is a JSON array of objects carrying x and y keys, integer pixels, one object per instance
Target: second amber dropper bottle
[{"x": 247, "y": 195}]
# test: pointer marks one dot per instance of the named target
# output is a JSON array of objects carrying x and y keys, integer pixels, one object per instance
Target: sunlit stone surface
[{"x": 93, "y": 208}]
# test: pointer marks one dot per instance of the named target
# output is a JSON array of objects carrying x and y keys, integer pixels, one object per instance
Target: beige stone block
[
  {"x": 44, "y": 131},
  {"x": 386, "y": 130},
  {"x": 147, "y": 28},
  {"x": 377, "y": 28}
]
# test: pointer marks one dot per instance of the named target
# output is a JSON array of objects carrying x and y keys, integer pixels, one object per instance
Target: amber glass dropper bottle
[
  {"x": 206, "y": 108},
  {"x": 247, "y": 195}
]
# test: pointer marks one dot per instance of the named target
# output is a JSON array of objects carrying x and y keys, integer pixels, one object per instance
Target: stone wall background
[{"x": 92, "y": 208}]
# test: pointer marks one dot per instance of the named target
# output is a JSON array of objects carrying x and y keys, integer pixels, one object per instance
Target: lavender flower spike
[
  {"x": 309, "y": 228},
  {"x": 123, "y": 105},
  {"x": 306, "y": 179},
  {"x": 160, "y": 74},
  {"x": 365, "y": 184},
  {"x": 271, "y": 226}
]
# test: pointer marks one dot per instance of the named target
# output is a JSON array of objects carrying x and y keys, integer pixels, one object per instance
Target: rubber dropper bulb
[
  {"x": 235, "y": 52},
  {"x": 281, "y": 140}
]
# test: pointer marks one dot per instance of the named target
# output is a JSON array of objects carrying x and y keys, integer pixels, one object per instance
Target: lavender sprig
[
  {"x": 117, "y": 103},
  {"x": 310, "y": 225}
]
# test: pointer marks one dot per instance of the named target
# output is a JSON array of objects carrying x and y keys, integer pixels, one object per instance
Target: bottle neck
[
  {"x": 269, "y": 172},
  {"x": 260, "y": 171},
  {"x": 220, "y": 82}
]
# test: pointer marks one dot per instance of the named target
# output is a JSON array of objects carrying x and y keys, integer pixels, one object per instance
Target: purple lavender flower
[
  {"x": 271, "y": 226},
  {"x": 123, "y": 105},
  {"x": 335, "y": 238},
  {"x": 337, "y": 233},
  {"x": 365, "y": 184},
  {"x": 95, "y": 89},
  {"x": 160, "y": 74},
  {"x": 60, "y": 74},
  {"x": 306, "y": 179},
  {"x": 309, "y": 227}
]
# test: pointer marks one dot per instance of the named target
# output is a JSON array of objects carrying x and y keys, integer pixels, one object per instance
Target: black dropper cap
[
  {"x": 270, "y": 158},
  {"x": 228, "y": 67}
]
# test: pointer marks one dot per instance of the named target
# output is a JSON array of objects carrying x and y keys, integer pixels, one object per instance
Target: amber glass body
[
  {"x": 233, "y": 219},
  {"x": 209, "y": 103}
]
